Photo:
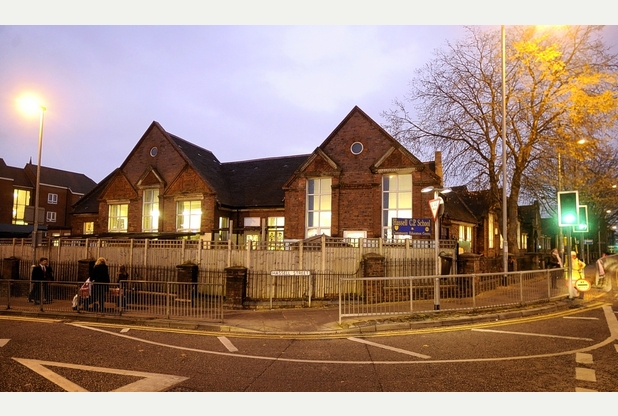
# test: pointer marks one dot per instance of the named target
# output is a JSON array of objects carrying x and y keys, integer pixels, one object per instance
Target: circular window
[
  {"x": 356, "y": 148},
  {"x": 154, "y": 151}
]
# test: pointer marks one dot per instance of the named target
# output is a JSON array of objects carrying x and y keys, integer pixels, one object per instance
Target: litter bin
[
  {"x": 446, "y": 262},
  {"x": 10, "y": 268}
]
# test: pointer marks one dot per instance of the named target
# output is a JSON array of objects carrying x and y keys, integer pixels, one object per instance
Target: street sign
[
  {"x": 290, "y": 273},
  {"x": 588, "y": 242},
  {"x": 434, "y": 204},
  {"x": 582, "y": 285}
]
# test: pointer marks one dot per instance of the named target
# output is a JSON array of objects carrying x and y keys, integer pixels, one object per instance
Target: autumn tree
[{"x": 561, "y": 85}]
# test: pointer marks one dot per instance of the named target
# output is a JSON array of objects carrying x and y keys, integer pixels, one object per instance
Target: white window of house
[
  {"x": 490, "y": 233},
  {"x": 20, "y": 202},
  {"x": 50, "y": 216},
  {"x": 524, "y": 241},
  {"x": 319, "y": 206},
  {"x": 396, "y": 200},
  {"x": 274, "y": 229},
  {"x": 188, "y": 216},
  {"x": 52, "y": 198},
  {"x": 150, "y": 210},
  {"x": 89, "y": 227},
  {"x": 118, "y": 220}
]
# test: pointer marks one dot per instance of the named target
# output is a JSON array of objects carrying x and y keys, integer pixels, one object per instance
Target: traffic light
[
  {"x": 582, "y": 223},
  {"x": 568, "y": 208}
]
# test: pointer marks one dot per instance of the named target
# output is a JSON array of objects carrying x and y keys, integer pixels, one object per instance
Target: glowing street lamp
[{"x": 31, "y": 104}]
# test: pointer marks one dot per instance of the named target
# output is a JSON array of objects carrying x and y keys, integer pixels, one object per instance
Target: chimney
[{"x": 438, "y": 166}]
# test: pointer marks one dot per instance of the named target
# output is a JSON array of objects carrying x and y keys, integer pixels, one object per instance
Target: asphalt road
[{"x": 570, "y": 351}]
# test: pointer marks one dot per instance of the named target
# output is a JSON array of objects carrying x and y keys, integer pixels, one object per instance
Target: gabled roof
[
  {"x": 456, "y": 208},
  {"x": 17, "y": 175},
  {"x": 89, "y": 203},
  {"x": 78, "y": 183}
]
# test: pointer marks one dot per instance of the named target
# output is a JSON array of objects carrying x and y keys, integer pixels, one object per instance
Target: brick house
[
  {"x": 352, "y": 185},
  {"x": 58, "y": 189}
]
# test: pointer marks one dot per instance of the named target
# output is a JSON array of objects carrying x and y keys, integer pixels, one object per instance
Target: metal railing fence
[
  {"x": 172, "y": 300},
  {"x": 381, "y": 296}
]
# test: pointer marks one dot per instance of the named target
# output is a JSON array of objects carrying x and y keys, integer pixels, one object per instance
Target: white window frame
[
  {"x": 50, "y": 216},
  {"x": 318, "y": 213},
  {"x": 52, "y": 198},
  {"x": 188, "y": 215},
  {"x": 397, "y": 201},
  {"x": 150, "y": 210},
  {"x": 118, "y": 219}
]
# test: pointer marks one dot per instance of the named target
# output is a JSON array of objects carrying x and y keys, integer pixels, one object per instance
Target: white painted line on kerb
[
  {"x": 386, "y": 347},
  {"x": 532, "y": 335},
  {"x": 228, "y": 344},
  {"x": 590, "y": 318},
  {"x": 585, "y": 374},
  {"x": 583, "y": 358}
]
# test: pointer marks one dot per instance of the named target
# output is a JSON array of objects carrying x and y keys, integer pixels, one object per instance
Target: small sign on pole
[{"x": 434, "y": 204}]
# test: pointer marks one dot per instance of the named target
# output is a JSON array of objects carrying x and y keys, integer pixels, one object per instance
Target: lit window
[
  {"x": 150, "y": 210},
  {"x": 224, "y": 228},
  {"x": 275, "y": 232},
  {"x": 20, "y": 202},
  {"x": 89, "y": 227},
  {"x": 188, "y": 216},
  {"x": 490, "y": 223},
  {"x": 318, "y": 206},
  {"x": 396, "y": 201},
  {"x": 52, "y": 198},
  {"x": 118, "y": 218}
]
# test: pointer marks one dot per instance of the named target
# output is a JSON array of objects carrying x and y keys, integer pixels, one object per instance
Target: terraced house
[{"x": 352, "y": 185}]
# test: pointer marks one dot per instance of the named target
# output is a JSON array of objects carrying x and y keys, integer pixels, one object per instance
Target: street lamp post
[
  {"x": 436, "y": 192},
  {"x": 505, "y": 237},
  {"x": 35, "y": 226}
]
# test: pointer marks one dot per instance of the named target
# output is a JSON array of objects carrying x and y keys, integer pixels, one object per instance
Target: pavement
[{"x": 324, "y": 321}]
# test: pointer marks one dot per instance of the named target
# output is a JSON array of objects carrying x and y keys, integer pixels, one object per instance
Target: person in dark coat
[
  {"x": 41, "y": 274},
  {"x": 100, "y": 277}
]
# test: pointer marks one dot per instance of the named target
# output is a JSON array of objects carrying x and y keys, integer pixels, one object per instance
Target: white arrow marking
[
  {"x": 386, "y": 347},
  {"x": 151, "y": 382},
  {"x": 228, "y": 344}
]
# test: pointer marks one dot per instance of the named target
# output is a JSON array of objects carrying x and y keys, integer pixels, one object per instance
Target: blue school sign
[{"x": 412, "y": 226}]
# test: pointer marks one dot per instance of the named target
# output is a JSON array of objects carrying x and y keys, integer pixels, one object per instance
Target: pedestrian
[
  {"x": 600, "y": 276},
  {"x": 577, "y": 272},
  {"x": 40, "y": 276},
  {"x": 555, "y": 262},
  {"x": 123, "y": 277},
  {"x": 100, "y": 277}
]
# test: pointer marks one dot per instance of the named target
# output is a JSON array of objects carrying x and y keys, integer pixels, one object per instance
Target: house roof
[
  {"x": 78, "y": 183},
  {"x": 456, "y": 209},
  {"x": 18, "y": 175}
]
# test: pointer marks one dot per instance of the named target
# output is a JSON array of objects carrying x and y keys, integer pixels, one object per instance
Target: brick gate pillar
[
  {"x": 374, "y": 265},
  {"x": 235, "y": 286}
]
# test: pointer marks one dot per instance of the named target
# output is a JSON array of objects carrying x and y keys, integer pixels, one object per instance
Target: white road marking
[
  {"x": 151, "y": 382},
  {"x": 581, "y": 317},
  {"x": 228, "y": 344},
  {"x": 583, "y": 358},
  {"x": 612, "y": 322},
  {"x": 582, "y": 390},
  {"x": 585, "y": 374},
  {"x": 386, "y": 347},
  {"x": 616, "y": 346},
  {"x": 124, "y": 330},
  {"x": 3, "y": 342},
  {"x": 531, "y": 334}
]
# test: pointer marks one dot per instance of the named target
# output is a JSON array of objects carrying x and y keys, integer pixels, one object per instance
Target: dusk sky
[{"x": 241, "y": 91}]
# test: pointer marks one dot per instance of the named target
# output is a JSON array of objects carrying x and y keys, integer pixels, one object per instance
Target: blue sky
[{"x": 242, "y": 86}]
